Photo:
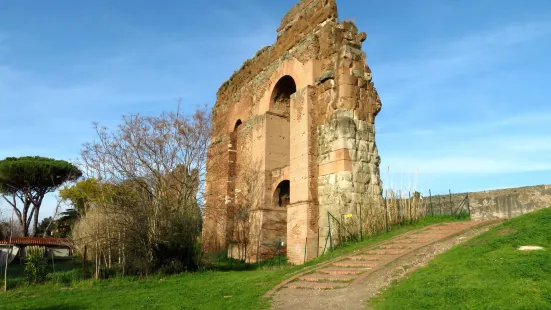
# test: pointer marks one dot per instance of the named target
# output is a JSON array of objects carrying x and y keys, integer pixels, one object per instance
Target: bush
[
  {"x": 172, "y": 267},
  {"x": 65, "y": 278},
  {"x": 106, "y": 273},
  {"x": 36, "y": 268},
  {"x": 69, "y": 277}
]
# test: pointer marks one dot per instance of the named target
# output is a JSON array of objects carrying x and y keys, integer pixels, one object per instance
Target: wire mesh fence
[{"x": 396, "y": 209}]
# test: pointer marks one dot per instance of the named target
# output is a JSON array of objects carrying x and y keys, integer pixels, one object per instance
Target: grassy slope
[
  {"x": 206, "y": 290},
  {"x": 487, "y": 272}
]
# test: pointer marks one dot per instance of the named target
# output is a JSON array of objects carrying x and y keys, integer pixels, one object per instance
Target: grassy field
[
  {"x": 487, "y": 272},
  {"x": 240, "y": 287}
]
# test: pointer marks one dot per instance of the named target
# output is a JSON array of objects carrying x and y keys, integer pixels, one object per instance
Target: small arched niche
[
  {"x": 280, "y": 101},
  {"x": 233, "y": 157},
  {"x": 237, "y": 125},
  {"x": 282, "y": 194}
]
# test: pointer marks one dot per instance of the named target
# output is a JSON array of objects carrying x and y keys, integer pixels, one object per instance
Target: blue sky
[{"x": 465, "y": 85}]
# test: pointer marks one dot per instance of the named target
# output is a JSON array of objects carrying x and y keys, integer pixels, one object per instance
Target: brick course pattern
[{"x": 293, "y": 139}]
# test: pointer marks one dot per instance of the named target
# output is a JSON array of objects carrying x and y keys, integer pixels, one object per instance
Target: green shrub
[
  {"x": 36, "y": 268},
  {"x": 106, "y": 273},
  {"x": 69, "y": 277},
  {"x": 172, "y": 267}
]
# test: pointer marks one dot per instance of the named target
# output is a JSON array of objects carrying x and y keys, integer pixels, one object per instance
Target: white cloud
[
  {"x": 484, "y": 154},
  {"x": 520, "y": 143},
  {"x": 440, "y": 62},
  {"x": 480, "y": 127},
  {"x": 464, "y": 164},
  {"x": 58, "y": 113},
  {"x": 500, "y": 37},
  {"x": 528, "y": 144}
]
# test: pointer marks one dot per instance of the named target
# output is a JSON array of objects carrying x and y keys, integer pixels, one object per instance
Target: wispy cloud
[
  {"x": 500, "y": 37},
  {"x": 58, "y": 108},
  {"x": 471, "y": 165},
  {"x": 34, "y": 97},
  {"x": 480, "y": 127},
  {"x": 445, "y": 122},
  {"x": 485, "y": 153},
  {"x": 439, "y": 62}
]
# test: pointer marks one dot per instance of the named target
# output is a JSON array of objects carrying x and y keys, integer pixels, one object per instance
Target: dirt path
[{"x": 349, "y": 281}]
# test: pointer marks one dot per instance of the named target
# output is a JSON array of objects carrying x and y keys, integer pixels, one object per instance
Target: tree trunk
[
  {"x": 23, "y": 220},
  {"x": 35, "y": 221}
]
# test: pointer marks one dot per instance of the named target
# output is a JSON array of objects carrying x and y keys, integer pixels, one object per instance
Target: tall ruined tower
[{"x": 293, "y": 142}]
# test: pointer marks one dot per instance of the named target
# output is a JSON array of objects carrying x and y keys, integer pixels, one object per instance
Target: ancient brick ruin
[{"x": 293, "y": 140}]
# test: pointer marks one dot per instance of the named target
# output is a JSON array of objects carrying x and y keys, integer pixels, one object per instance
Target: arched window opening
[
  {"x": 237, "y": 125},
  {"x": 282, "y": 194},
  {"x": 234, "y": 156},
  {"x": 281, "y": 96}
]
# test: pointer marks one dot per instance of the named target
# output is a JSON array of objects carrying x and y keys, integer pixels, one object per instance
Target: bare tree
[
  {"x": 8, "y": 226},
  {"x": 155, "y": 167}
]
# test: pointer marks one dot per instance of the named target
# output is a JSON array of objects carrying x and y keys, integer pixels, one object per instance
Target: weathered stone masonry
[
  {"x": 494, "y": 204},
  {"x": 293, "y": 139}
]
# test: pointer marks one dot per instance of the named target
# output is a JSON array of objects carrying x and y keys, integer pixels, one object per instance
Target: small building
[{"x": 57, "y": 248}]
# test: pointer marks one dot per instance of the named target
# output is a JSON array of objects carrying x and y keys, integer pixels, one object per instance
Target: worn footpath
[{"x": 349, "y": 281}]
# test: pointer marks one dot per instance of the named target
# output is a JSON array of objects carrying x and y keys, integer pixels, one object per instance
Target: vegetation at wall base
[
  {"x": 487, "y": 272},
  {"x": 222, "y": 284}
]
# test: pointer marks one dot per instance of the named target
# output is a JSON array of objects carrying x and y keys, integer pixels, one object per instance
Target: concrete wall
[
  {"x": 495, "y": 204},
  {"x": 6, "y": 252}
]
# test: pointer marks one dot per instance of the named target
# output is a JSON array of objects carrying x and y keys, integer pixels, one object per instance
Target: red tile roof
[{"x": 38, "y": 241}]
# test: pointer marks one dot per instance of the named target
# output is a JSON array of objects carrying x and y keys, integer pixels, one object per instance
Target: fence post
[
  {"x": 305, "y": 243},
  {"x": 325, "y": 244},
  {"x": 386, "y": 214},
  {"x": 451, "y": 206},
  {"x": 330, "y": 234},
  {"x": 440, "y": 204},
  {"x": 399, "y": 203},
  {"x": 468, "y": 205},
  {"x": 339, "y": 231},
  {"x": 361, "y": 229},
  {"x": 430, "y": 200},
  {"x": 410, "y": 206},
  {"x": 318, "y": 250}
]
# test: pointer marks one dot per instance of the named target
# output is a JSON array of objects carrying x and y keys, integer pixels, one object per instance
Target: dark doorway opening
[{"x": 282, "y": 195}]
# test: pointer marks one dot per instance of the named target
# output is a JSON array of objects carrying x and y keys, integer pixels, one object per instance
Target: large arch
[
  {"x": 303, "y": 74},
  {"x": 280, "y": 100},
  {"x": 282, "y": 195},
  {"x": 281, "y": 199},
  {"x": 278, "y": 124},
  {"x": 234, "y": 159},
  {"x": 235, "y": 251}
]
